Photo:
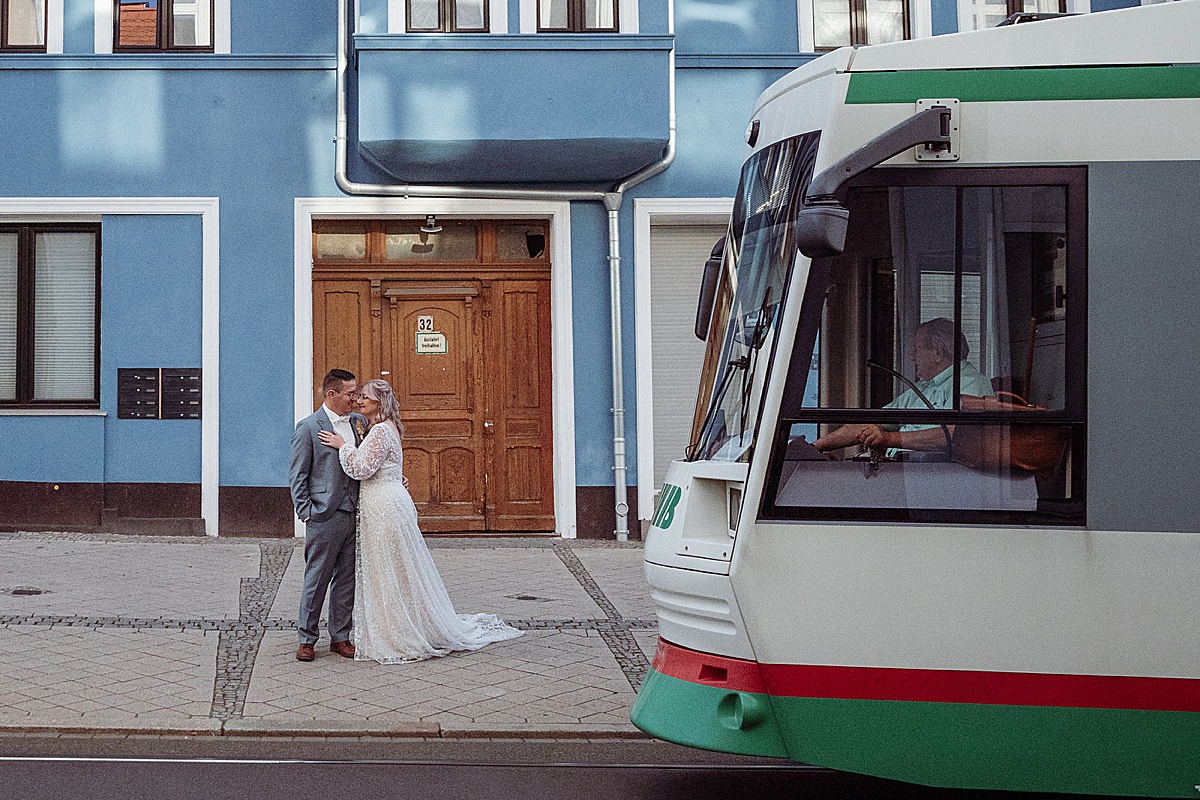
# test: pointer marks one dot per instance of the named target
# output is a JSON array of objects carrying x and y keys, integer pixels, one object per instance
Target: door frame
[
  {"x": 562, "y": 337},
  {"x": 647, "y": 212}
]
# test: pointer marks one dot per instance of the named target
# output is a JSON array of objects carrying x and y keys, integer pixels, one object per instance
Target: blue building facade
[{"x": 205, "y": 205}]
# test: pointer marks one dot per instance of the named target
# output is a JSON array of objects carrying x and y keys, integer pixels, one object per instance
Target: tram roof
[{"x": 1143, "y": 35}]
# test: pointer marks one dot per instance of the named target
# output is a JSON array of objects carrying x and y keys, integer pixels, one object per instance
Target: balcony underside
[
  {"x": 542, "y": 161},
  {"x": 563, "y": 110}
]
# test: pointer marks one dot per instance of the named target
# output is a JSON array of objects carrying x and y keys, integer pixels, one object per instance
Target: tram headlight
[{"x": 735, "y": 508}]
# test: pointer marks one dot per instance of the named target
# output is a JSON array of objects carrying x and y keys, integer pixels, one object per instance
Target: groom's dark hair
[{"x": 335, "y": 378}]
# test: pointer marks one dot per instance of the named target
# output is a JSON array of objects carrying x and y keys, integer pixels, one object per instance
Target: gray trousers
[{"x": 328, "y": 567}]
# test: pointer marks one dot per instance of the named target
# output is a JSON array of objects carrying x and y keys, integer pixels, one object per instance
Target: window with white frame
[
  {"x": 447, "y": 16},
  {"x": 49, "y": 315},
  {"x": 842, "y": 23},
  {"x": 23, "y": 26},
  {"x": 577, "y": 16},
  {"x": 157, "y": 25}
]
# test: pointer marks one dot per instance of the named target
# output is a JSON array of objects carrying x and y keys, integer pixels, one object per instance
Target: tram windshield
[
  {"x": 758, "y": 261},
  {"x": 942, "y": 379}
]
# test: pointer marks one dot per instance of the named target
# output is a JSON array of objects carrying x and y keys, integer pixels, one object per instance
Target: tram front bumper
[{"x": 709, "y": 702}]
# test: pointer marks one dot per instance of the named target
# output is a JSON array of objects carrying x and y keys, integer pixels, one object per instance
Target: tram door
[{"x": 468, "y": 354}]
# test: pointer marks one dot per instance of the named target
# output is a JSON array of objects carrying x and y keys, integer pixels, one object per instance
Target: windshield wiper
[
  {"x": 759, "y": 338},
  {"x": 740, "y": 362}
]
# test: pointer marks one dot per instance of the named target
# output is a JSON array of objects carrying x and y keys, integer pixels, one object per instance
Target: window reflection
[
  {"x": 577, "y": 15},
  {"x": 944, "y": 333},
  {"x": 469, "y": 15},
  {"x": 841, "y": 23},
  {"x": 405, "y": 241},
  {"x": 26, "y": 23},
  {"x": 521, "y": 243},
  {"x": 191, "y": 23},
  {"x": 164, "y": 24},
  {"x": 340, "y": 241}
]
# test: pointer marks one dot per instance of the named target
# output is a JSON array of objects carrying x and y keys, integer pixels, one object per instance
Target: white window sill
[{"x": 52, "y": 412}]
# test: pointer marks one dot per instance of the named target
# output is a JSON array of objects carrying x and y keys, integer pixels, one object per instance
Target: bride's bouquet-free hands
[
  {"x": 335, "y": 441},
  {"x": 331, "y": 439}
]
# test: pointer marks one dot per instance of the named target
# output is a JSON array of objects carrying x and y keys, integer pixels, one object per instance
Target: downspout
[{"x": 612, "y": 203}]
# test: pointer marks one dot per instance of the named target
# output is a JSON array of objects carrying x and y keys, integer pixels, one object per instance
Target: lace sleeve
[{"x": 365, "y": 460}]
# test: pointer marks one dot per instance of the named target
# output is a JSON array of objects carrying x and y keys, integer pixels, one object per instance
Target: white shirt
[{"x": 341, "y": 425}]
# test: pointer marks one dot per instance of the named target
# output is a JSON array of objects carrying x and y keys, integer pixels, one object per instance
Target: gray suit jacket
[{"x": 319, "y": 484}]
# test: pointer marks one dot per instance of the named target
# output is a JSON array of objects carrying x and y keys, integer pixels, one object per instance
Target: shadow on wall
[{"x": 733, "y": 26}]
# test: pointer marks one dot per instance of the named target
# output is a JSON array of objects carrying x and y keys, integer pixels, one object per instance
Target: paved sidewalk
[{"x": 132, "y": 634}]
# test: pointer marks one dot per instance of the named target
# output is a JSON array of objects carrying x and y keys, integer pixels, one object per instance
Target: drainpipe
[{"x": 612, "y": 203}]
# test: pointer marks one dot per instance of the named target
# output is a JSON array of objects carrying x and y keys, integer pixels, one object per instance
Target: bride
[{"x": 402, "y": 612}]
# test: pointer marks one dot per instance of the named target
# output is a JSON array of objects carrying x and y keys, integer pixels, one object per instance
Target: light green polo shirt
[{"x": 940, "y": 390}]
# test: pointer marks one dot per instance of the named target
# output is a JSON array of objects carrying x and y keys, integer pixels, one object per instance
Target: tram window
[
  {"x": 750, "y": 291},
  {"x": 943, "y": 379}
]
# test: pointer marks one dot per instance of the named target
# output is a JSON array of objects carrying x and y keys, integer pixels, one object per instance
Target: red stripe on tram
[
  {"x": 735, "y": 674},
  {"x": 932, "y": 685}
]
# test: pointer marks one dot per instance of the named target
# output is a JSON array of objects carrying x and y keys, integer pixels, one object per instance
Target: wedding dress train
[{"x": 402, "y": 612}]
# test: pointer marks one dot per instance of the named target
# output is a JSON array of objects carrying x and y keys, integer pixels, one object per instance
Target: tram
[{"x": 936, "y": 522}]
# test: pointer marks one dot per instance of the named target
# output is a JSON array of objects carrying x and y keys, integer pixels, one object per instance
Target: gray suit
[{"x": 326, "y": 499}]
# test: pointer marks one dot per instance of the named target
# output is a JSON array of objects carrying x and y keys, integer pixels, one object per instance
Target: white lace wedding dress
[{"x": 402, "y": 612}]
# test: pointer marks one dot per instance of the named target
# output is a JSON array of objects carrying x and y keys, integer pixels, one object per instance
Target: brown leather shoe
[
  {"x": 306, "y": 652},
  {"x": 342, "y": 649}
]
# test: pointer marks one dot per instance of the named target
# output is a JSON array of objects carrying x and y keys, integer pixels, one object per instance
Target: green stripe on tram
[
  {"x": 1015, "y": 748},
  {"x": 1026, "y": 84},
  {"x": 964, "y": 745},
  {"x": 691, "y": 714}
]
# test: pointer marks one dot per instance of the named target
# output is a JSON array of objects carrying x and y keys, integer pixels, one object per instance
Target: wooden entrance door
[
  {"x": 433, "y": 354},
  {"x": 468, "y": 354},
  {"x": 517, "y": 430}
]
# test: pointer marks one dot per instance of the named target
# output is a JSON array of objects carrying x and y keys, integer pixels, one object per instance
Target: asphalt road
[{"x": 212, "y": 768}]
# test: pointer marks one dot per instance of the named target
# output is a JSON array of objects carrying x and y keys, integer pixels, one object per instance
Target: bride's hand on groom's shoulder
[{"x": 331, "y": 439}]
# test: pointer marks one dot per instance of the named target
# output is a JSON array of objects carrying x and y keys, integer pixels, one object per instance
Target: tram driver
[{"x": 933, "y": 357}]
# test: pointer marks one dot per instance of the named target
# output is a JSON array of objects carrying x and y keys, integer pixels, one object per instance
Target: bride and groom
[{"x": 362, "y": 545}]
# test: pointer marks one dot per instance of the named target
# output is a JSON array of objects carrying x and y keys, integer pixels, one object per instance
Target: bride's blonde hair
[{"x": 389, "y": 407}]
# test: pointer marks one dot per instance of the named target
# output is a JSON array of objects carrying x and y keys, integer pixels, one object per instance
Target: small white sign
[
  {"x": 431, "y": 343},
  {"x": 425, "y": 325}
]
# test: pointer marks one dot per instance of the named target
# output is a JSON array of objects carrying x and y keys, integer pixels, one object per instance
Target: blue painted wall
[
  {"x": 194, "y": 133},
  {"x": 150, "y": 317},
  {"x": 1109, "y": 5},
  {"x": 297, "y": 27},
  {"x": 735, "y": 26},
  {"x": 64, "y": 449},
  {"x": 431, "y": 87},
  {"x": 79, "y": 33},
  {"x": 945, "y": 16}
]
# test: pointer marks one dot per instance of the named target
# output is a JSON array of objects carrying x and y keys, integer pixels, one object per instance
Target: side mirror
[
  {"x": 820, "y": 230},
  {"x": 820, "y": 226},
  {"x": 708, "y": 289}
]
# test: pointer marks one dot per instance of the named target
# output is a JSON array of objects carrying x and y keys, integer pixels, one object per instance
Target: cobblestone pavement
[{"x": 104, "y": 633}]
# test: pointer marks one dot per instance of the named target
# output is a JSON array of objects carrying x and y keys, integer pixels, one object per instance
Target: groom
[{"x": 326, "y": 500}]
